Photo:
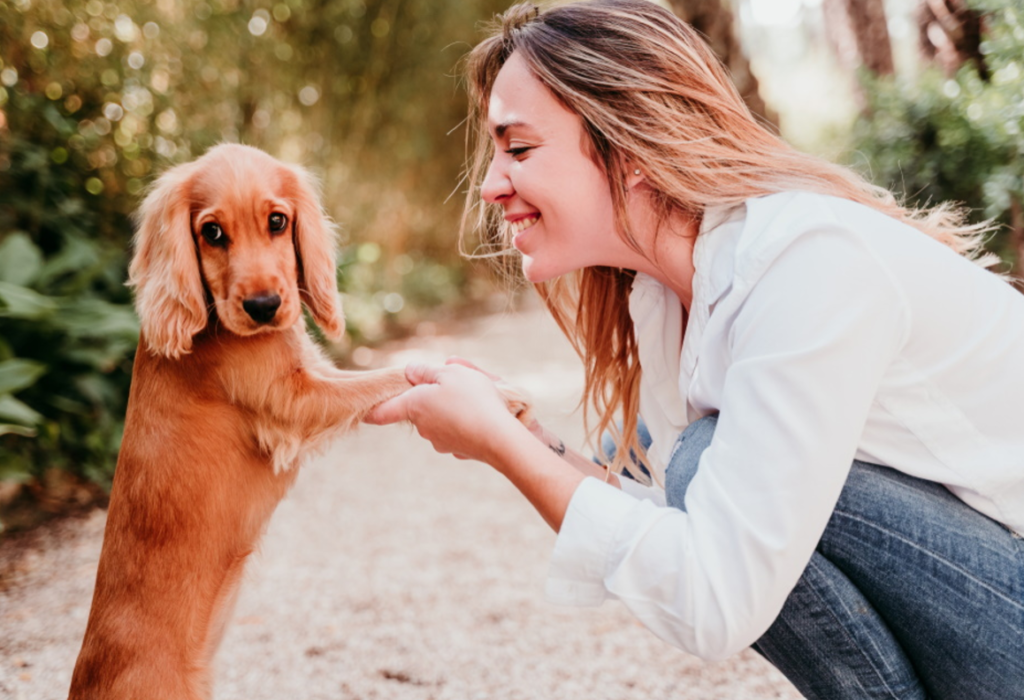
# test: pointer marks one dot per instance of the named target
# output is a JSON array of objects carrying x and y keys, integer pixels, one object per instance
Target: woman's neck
[{"x": 668, "y": 250}]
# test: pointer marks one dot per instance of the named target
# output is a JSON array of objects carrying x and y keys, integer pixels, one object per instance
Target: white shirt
[{"x": 823, "y": 332}]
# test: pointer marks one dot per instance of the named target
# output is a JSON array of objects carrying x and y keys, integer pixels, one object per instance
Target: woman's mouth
[{"x": 523, "y": 224}]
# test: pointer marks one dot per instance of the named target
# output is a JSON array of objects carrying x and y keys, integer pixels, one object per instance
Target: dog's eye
[
  {"x": 277, "y": 222},
  {"x": 213, "y": 234}
]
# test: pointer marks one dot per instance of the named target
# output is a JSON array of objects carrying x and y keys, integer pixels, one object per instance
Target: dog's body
[
  {"x": 226, "y": 400},
  {"x": 195, "y": 487}
]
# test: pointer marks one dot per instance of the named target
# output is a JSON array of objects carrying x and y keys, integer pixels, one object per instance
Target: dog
[{"x": 229, "y": 393}]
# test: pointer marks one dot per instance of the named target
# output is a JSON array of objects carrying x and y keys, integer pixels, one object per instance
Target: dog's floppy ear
[
  {"x": 315, "y": 248},
  {"x": 169, "y": 294}
]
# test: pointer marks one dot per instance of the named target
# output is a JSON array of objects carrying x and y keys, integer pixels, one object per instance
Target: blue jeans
[{"x": 910, "y": 594}]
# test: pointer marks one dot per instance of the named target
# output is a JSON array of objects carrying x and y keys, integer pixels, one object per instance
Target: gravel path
[{"x": 391, "y": 572}]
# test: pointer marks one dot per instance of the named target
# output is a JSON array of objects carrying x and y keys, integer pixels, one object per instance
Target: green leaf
[
  {"x": 95, "y": 318},
  {"x": 17, "y": 374},
  {"x": 8, "y": 429},
  {"x": 63, "y": 126},
  {"x": 63, "y": 403},
  {"x": 75, "y": 256},
  {"x": 103, "y": 359},
  {"x": 15, "y": 411},
  {"x": 14, "y": 468},
  {"x": 20, "y": 259},
  {"x": 21, "y": 302},
  {"x": 95, "y": 388}
]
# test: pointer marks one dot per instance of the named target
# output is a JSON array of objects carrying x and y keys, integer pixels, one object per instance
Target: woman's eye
[
  {"x": 213, "y": 234},
  {"x": 517, "y": 151},
  {"x": 277, "y": 222}
]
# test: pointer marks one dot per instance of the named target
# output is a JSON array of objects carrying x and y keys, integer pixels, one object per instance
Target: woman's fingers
[
  {"x": 519, "y": 404},
  {"x": 398, "y": 409},
  {"x": 441, "y": 398},
  {"x": 393, "y": 410},
  {"x": 422, "y": 374},
  {"x": 456, "y": 360},
  {"x": 458, "y": 409}
]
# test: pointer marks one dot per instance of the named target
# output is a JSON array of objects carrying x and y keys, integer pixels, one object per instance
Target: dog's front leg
[
  {"x": 350, "y": 396},
  {"x": 296, "y": 407}
]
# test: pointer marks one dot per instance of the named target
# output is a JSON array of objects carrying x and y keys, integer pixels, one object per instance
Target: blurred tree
[
  {"x": 859, "y": 34},
  {"x": 871, "y": 32},
  {"x": 949, "y": 33},
  {"x": 958, "y": 138}
]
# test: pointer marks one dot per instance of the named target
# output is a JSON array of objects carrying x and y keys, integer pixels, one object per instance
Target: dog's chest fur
[{"x": 264, "y": 373}]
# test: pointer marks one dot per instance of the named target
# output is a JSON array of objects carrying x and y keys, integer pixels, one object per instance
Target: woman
[{"x": 833, "y": 390}]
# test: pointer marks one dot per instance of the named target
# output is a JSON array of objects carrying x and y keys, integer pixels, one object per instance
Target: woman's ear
[
  {"x": 634, "y": 175},
  {"x": 315, "y": 249},
  {"x": 169, "y": 294}
]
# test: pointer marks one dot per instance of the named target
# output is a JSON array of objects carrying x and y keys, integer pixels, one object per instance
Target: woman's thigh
[
  {"x": 940, "y": 583},
  {"x": 948, "y": 580}
]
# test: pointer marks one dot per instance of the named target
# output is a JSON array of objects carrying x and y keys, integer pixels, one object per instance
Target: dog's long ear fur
[
  {"x": 169, "y": 294},
  {"x": 316, "y": 248}
]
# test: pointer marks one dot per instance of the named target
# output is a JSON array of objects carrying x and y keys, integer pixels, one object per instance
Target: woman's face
[{"x": 556, "y": 198}]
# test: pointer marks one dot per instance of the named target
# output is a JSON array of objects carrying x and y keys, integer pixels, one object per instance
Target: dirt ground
[{"x": 391, "y": 572}]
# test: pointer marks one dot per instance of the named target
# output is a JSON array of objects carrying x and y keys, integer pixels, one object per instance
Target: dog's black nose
[{"x": 262, "y": 308}]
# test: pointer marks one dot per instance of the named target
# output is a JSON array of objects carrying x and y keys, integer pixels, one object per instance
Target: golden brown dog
[{"x": 228, "y": 395}]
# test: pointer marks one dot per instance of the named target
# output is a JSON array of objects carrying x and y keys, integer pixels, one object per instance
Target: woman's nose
[{"x": 496, "y": 186}]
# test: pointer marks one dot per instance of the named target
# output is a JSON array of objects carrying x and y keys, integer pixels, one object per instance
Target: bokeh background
[{"x": 97, "y": 98}]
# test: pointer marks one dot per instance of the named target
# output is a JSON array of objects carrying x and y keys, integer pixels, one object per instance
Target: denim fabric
[
  {"x": 608, "y": 449},
  {"x": 910, "y": 594}
]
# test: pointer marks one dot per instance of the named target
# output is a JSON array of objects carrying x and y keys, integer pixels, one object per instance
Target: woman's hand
[
  {"x": 527, "y": 417},
  {"x": 457, "y": 407}
]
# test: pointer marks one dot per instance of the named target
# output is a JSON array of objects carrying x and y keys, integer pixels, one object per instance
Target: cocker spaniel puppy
[{"x": 228, "y": 395}]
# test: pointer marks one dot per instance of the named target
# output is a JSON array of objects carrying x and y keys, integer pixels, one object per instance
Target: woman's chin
[
  {"x": 533, "y": 272},
  {"x": 536, "y": 272}
]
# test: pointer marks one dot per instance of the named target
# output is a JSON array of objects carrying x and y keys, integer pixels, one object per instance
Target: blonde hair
[{"x": 649, "y": 90}]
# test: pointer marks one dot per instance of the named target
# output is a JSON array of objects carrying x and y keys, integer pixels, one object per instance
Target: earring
[{"x": 637, "y": 171}]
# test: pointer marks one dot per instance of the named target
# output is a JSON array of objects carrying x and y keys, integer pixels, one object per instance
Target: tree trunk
[
  {"x": 714, "y": 20},
  {"x": 859, "y": 35},
  {"x": 949, "y": 33},
  {"x": 871, "y": 32},
  {"x": 840, "y": 36}
]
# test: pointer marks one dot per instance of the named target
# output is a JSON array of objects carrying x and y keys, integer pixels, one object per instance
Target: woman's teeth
[{"x": 523, "y": 224}]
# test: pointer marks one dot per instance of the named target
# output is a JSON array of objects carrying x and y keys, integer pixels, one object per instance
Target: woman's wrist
[
  {"x": 554, "y": 443},
  {"x": 507, "y": 447},
  {"x": 582, "y": 464},
  {"x": 558, "y": 447}
]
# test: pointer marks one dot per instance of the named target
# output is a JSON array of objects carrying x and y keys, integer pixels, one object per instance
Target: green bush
[
  {"x": 935, "y": 139},
  {"x": 67, "y": 333}
]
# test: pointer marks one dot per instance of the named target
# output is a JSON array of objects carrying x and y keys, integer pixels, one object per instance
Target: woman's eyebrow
[{"x": 503, "y": 127}]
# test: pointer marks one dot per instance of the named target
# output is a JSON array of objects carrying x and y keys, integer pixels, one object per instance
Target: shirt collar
[
  {"x": 713, "y": 258},
  {"x": 657, "y": 319}
]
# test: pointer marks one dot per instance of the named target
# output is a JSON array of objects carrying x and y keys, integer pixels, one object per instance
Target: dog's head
[{"x": 243, "y": 230}]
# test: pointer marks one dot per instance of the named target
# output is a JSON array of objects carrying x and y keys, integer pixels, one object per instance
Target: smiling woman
[
  {"x": 813, "y": 364},
  {"x": 555, "y": 196},
  {"x": 669, "y": 109}
]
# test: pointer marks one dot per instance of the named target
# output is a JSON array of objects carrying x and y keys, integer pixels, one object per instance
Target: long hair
[{"x": 649, "y": 90}]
